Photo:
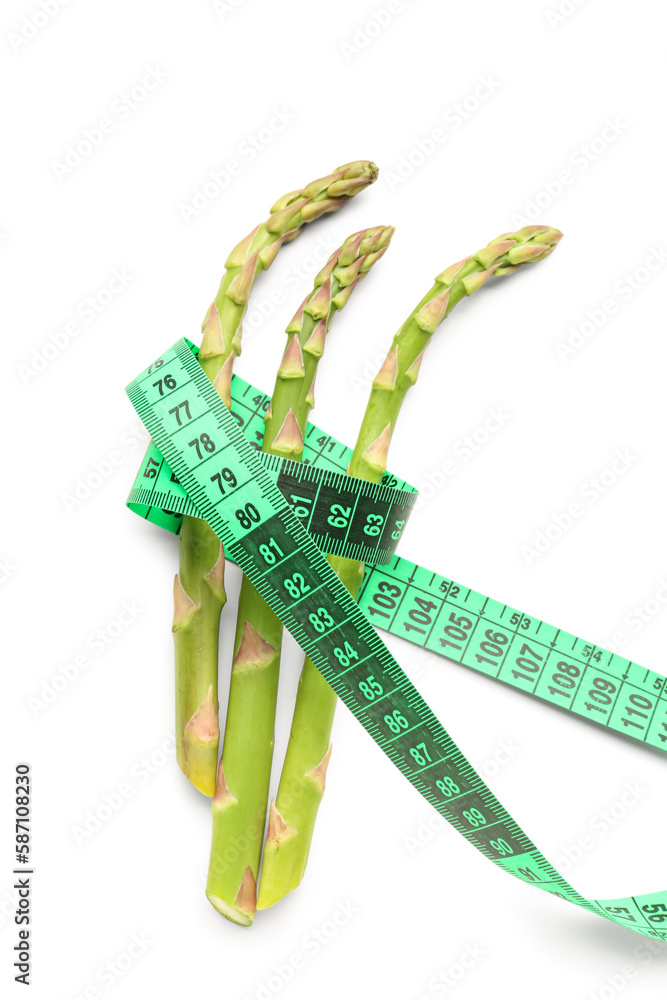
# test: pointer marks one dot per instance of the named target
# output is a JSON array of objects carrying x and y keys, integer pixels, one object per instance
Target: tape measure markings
[
  {"x": 612, "y": 691},
  {"x": 413, "y": 580},
  {"x": 346, "y": 516},
  {"x": 434, "y": 765}
]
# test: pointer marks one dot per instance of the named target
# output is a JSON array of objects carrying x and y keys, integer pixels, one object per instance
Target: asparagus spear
[
  {"x": 239, "y": 804},
  {"x": 301, "y": 787},
  {"x": 199, "y": 593}
]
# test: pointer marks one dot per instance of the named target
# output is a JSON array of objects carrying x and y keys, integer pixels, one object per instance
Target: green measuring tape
[
  {"x": 264, "y": 536},
  {"x": 345, "y": 516},
  {"x": 416, "y": 603}
]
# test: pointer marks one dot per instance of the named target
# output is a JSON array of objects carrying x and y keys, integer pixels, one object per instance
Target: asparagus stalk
[
  {"x": 292, "y": 817},
  {"x": 199, "y": 593},
  {"x": 239, "y": 804}
]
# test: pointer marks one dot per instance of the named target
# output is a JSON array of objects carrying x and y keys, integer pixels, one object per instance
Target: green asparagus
[
  {"x": 199, "y": 593},
  {"x": 239, "y": 804},
  {"x": 301, "y": 787}
]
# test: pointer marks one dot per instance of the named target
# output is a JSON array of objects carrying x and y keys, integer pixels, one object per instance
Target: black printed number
[
  {"x": 176, "y": 410},
  {"x": 246, "y": 515},
  {"x": 168, "y": 381},
  {"x": 202, "y": 441},
  {"x": 228, "y": 476}
]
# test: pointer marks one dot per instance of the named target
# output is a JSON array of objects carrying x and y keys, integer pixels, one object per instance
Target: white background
[{"x": 350, "y": 89}]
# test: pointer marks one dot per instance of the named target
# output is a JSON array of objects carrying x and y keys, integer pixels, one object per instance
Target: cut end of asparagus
[{"x": 244, "y": 907}]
